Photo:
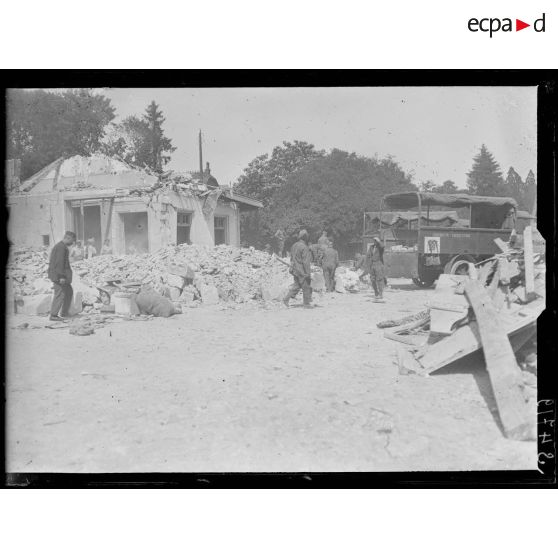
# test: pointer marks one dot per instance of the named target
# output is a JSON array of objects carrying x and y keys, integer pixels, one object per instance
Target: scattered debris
[
  {"x": 495, "y": 309},
  {"x": 420, "y": 318},
  {"x": 346, "y": 280}
]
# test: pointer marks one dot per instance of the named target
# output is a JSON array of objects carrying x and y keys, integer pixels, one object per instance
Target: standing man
[
  {"x": 90, "y": 249},
  {"x": 375, "y": 266},
  {"x": 60, "y": 273},
  {"x": 76, "y": 253},
  {"x": 301, "y": 261},
  {"x": 280, "y": 242},
  {"x": 330, "y": 261},
  {"x": 316, "y": 251}
]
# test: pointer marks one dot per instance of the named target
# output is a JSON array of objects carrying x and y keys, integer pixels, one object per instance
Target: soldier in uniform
[
  {"x": 375, "y": 266},
  {"x": 329, "y": 263},
  {"x": 301, "y": 261}
]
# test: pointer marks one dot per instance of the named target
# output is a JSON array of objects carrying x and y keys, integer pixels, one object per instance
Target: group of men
[
  {"x": 79, "y": 252},
  {"x": 326, "y": 256}
]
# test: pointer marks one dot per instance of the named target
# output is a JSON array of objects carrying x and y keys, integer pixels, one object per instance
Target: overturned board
[
  {"x": 503, "y": 370},
  {"x": 466, "y": 339}
]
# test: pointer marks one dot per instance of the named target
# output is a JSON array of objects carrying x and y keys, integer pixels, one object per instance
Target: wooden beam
[
  {"x": 504, "y": 372},
  {"x": 415, "y": 340},
  {"x": 528, "y": 259}
]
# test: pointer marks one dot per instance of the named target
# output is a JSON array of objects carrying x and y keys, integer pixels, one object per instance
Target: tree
[
  {"x": 159, "y": 146},
  {"x": 514, "y": 187},
  {"x": 127, "y": 140},
  {"x": 530, "y": 194},
  {"x": 448, "y": 187},
  {"x": 44, "y": 125},
  {"x": 485, "y": 177},
  {"x": 140, "y": 140},
  {"x": 332, "y": 192},
  {"x": 263, "y": 177},
  {"x": 428, "y": 186},
  {"x": 265, "y": 174}
]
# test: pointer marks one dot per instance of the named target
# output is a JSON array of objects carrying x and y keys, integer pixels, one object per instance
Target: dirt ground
[{"x": 248, "y": 389}]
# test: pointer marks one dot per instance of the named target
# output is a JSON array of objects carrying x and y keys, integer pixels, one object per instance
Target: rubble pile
[
  {"x": 346, "y": 280},
  {"x": 184, "y": 273},
  {"x": 28, "y": 268}
]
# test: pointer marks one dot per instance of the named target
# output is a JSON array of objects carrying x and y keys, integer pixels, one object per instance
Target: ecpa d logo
[{"x": 492, "y": 25}]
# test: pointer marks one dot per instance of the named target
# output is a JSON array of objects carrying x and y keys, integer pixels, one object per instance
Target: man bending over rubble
[
  {"x": 60, "y": 273},
  {"x": 301, "y": 259}
]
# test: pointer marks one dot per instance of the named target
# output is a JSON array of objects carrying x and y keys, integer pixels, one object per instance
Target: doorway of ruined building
[
  {"x": 87, "y": 224},
  {"x": 136, "y": 233},
  {"x": 183, "y": 227}
]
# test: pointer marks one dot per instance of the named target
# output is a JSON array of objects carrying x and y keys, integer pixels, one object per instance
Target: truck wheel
[{"x": 458, "y": 266}]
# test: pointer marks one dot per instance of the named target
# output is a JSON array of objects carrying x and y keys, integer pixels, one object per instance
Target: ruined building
[{"x": 103, "y": 198}]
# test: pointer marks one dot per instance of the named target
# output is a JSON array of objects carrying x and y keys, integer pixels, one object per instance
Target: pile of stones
[{"x": 184, "y": 273}]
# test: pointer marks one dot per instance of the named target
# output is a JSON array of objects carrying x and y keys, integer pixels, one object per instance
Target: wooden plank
[
  {"x": 529, "y": 265},
  {"x": 415, "y": 340},
  {"x": 503, "y": 370},
  {"x": 466, "y": 339},
  {"x": 502, "y": 245},
  {"x": 444, "y": 317},
  {"x": 447, "y": 308}
]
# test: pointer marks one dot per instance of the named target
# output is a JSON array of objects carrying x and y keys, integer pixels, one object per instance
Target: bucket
[{"x": 122, "y": 303}]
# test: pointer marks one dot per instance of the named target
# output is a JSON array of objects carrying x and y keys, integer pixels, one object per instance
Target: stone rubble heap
[
  {"x": 184, "y": 273},
  {"x": 28, "y": 269}
]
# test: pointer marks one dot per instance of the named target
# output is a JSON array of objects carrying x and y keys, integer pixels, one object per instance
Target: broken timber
[
  {"x": 466, "y": 339},
  {"x": 529, "y": 265},
  {"x": 447, "y": 309},
  {"x": 504, "y": 372}
]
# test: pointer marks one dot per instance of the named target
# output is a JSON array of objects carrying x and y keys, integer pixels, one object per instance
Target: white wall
[{"x": 30, "y": 217}]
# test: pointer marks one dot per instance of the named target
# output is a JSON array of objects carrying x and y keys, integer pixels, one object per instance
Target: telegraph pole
[{"x": 201, "y": 158}]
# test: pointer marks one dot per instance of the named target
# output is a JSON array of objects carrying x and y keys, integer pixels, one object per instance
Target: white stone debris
[{"x": 185, "y": 273}]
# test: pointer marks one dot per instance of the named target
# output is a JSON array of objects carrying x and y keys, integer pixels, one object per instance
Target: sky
[{"x": 432, "y": 132}]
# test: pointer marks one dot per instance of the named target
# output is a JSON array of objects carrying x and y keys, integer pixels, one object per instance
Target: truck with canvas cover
[{"x": 427, "y": 234}]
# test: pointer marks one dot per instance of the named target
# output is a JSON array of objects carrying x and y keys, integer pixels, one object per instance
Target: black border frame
[{"x": 547, "y": 83}]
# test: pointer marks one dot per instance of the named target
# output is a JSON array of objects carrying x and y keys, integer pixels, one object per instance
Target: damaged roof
[
  {"x": 100, "y": 172},
  {"x": 79, "y": 173}
]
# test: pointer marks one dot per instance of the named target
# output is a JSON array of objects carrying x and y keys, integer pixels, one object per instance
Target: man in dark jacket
[
  {"x": 330, "y": 261},
  {"x": 301, "y": 261},
  {"x": 60, "y": 273},
  {"x": 375, "y": 266}
]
